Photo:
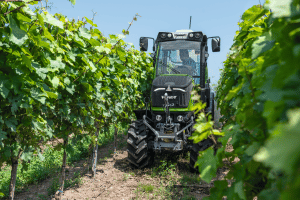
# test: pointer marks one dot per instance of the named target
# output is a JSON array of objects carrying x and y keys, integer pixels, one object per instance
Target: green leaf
[
  {"x": 17, "y": 35},
  {"x": 41, "y": 19},
  {"x": 22, "y": 17},
  {"x": 102, "y": 49},
  {"x": 38, "y": 95},
  {"x": 57, "y": 64},
  {"x": 207, "y": 165},
  {"x": 88, "y": 87},
  {"x": 2, "y": 133},
  {"x": 55, "y": 82},
  {"x": 262, "y": 44},
  {"x": 252, "y": 149},
  {"x": 90, "y": 22},
  {"x": 48, "y": 35},
  {"x": 12, "y": 123},
  {"x": 73, "y": 2},
  {"x": 52, "y": 95},
  {"x": 41, "y": 72},
  {"x": 48, "y": 18},
  {"x": 70, "y": 89},
  {"x": 67, "y": 81},
  {"x": 281, "y": 152},
  {"x": 3, "y": 90},
  {"x": 79, "y": 41},
  {"x": 83, "y": 32},
  {"x": 280, "y": 8},
  {"x": 238, "y": 188},
  {"x": 41, "y": 157}
]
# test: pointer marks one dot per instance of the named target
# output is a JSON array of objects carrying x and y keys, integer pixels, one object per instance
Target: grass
[
  {"x": 190, "y": 179},
  {"x": 54, "y": 186},
  {"x": 147, "y": 188},
  {"x": 76, "y": 180},
  {"x": 38, "y": 170}
]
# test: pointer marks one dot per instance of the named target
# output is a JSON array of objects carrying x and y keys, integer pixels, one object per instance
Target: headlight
[
  {"x": 163, "y": 35},
  {"x": 169, "y": 35},
  {"x": 180, "y": 118},
  {"x": 158, "y": 117}
]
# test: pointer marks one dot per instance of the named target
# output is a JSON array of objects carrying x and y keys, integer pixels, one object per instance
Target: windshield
[{"x": 179, "y": 57}]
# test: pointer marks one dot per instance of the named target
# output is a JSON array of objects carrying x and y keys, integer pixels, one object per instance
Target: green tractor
[{"x": 180, "y": 65}]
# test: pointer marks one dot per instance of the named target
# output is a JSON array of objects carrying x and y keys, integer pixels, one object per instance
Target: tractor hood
[{"x": 178, "y": 88}]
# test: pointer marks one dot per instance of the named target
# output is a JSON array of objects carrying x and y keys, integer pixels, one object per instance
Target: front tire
[
  {"x": 138, "y": 154},
  {"x": 194, "y": 152}
]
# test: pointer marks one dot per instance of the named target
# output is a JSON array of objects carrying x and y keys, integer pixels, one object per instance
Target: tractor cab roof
[{"x": 183, "y": 34}]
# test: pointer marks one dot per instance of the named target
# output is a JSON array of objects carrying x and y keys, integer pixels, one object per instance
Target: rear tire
[{"x": 138, "y": 154}]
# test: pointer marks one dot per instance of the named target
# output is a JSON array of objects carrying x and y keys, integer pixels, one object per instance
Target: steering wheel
[{"x": 185, "y": 70}]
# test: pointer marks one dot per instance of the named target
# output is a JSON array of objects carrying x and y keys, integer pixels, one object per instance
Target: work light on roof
[
  {"x": 163, "y": 35},
  {"x": 197, "y": 35},
  {"x": 169, "y": 35},
  {"x": 191, "y": 35}
]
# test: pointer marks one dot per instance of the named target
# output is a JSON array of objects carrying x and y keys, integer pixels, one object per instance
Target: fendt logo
[{"x": 169, "y": 97}]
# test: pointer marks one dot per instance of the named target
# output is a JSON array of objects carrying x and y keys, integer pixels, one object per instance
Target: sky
[{"x": 212, "y": 17}]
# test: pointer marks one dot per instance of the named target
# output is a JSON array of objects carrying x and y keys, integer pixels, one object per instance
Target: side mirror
[
  {"x": 143, "y": 44},
  {"x": 215, "y": 45}
]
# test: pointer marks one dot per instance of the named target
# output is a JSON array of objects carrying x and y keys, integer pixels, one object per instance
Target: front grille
[{"x": 182, "y": 98}]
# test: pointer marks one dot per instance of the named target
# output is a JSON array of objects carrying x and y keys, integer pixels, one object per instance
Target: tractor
[{"x": 180, "y": 62}]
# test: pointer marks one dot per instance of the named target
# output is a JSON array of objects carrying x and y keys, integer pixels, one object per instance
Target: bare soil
[{"x": 116, "y": 180}]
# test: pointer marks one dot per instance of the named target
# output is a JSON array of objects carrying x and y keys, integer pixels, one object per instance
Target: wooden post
[
  {"x": 115, "y": 141},
  {"x": 63, "y": 172},
  {"x": 94, "y": 163}
]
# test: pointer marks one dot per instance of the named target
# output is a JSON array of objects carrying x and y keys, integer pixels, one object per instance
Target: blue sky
[{"x": 212, "y": 17}]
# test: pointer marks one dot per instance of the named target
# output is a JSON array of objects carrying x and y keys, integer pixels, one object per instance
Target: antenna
[{"x": 190, "y": 22}]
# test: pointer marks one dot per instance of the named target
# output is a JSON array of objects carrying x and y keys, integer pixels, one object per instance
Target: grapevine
[
  {"x": 58, "y": 78},
  {"x": 258, "y": 94}
]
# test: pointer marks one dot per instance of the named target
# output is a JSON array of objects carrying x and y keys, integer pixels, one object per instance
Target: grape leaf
[
  {"x": 55, "y": 82},
  {"x": 73, "y": 2},
  {"x": 83, "y": 32},
  {"x": 280, "y": 8},
  {"x": 90, "y": 22},
  {"x": 48, "y": 18},
  {"x": 207, "y": 165},
  {"x": 17, "y": 35},
  {"x": 3, "y": 90},
  {"x": 281, "y": 151}
]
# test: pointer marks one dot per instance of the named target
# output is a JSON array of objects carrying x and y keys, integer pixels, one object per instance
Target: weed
[
  {"x": 193, "y": 178},
  {"x": 77, "y": 180},
  {"x": 188, "y": 197},
  {"x": 165, "y": 168},
  {"x": 54, "y": 186},
  {"x": 146, "y": 188},
  {"x": 132, "y": 173},
  {"x": 42, "y": 196},
  {"x": 125, "y": 177}
]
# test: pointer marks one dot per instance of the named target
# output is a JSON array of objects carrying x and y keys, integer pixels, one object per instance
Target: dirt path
[{"x": 115, "y": 180}]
